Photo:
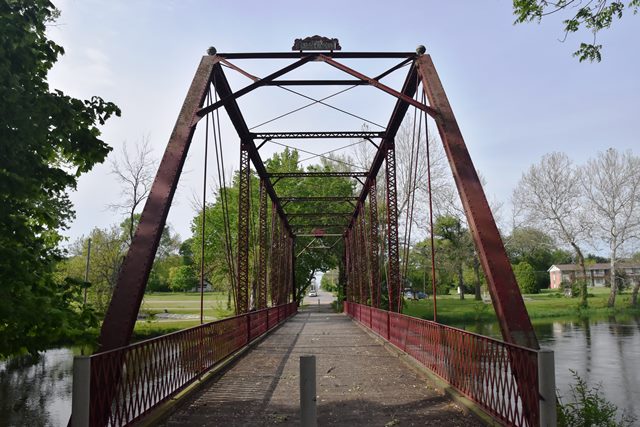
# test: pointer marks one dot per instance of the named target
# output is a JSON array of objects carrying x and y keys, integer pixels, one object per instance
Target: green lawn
[
  {"x": 169, "y": 312},
  {"x": 547, "y": 304}
]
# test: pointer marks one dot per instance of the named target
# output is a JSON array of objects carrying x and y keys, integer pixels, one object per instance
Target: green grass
[
  {"x": 154, "y": 305},
  {"x": 547, "y": 304}
]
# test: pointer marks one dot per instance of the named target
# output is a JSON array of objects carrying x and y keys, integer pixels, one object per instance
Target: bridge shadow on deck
[{"x": 359, "y": 383}]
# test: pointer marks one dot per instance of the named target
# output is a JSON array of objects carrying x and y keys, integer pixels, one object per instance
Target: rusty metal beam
[
  {"x": 233, "y": 110},
  {"x": 318, "y": 214},
  {"x": 374, "y": 267},
  {"x": 273, "y": 255},
  {"x": 262, "y": 248},
  {"x": 232, "y": 96},
  {"x": 123, "y": 310},
  {"x": 244, "y": 212},
  {"x": 318, "y": 175},
  {"x": 393, "y": 253},
  {"x": 317, "y": 83},
  {"x": 319, "y": 134},
  {"x": 319, "y": 199},
  {"x": 379, "y": 85},
  {"x": 512, "y": 314},
  {"x": 324, "y": 235},
  {"x": 339, "y": 55}
]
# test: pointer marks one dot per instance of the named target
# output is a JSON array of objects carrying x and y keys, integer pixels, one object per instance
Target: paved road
[
  {"x": 359, "y": 382},
  {"x": 323, "y": 297}
]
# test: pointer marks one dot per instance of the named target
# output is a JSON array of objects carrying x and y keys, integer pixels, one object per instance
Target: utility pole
[{"x": 86, "y": 271}]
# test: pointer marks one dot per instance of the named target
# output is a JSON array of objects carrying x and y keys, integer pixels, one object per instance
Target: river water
[{"x": 605, "y": 352}]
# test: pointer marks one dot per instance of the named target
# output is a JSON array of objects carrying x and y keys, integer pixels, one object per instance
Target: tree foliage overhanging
[
  {"x": 47, "y": 140},
  {"x": 592, "y": 16}
]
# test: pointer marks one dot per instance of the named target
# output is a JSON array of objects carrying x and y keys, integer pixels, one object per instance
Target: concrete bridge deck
[{"x": 359, "y": 382}]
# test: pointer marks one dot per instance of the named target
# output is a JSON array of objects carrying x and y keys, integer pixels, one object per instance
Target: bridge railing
[
  {"x": 502, "y": 378},
  {"x": 148, "y": 373}
]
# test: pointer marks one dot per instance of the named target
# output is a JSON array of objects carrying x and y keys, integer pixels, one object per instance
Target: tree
[
  {"x": 47, "y": 140},
  {"x": 594, "y": 16},
  {"x": 611, "y": 183},
  {"x": 183, "y": 278},
  {"x": 526, "y": 278},
  {"x": 535, "y": 247},
  {"x": 454, "y": 246},
  {"x": 135, "y": 171},
  {"x": 549, "y": 197}
]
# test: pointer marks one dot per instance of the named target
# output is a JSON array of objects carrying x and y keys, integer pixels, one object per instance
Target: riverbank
[{"x": 549, "y": 304}]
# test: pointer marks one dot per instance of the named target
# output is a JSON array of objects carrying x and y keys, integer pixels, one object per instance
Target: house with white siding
[{"x": 598, "y": 274}]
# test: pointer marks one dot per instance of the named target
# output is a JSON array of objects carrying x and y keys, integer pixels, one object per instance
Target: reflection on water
[
  {"x": 605, "y": 351},
  {"x": 38, "y": 394},
  {"x": 602, "y": 351}
]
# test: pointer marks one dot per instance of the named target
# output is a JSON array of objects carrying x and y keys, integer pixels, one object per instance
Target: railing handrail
[
  {"x": 182, "y": 331},
  {"x": 463, "y": 331}
]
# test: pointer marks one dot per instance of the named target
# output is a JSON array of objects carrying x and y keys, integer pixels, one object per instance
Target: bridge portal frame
[{"x": 122, "y": 312}]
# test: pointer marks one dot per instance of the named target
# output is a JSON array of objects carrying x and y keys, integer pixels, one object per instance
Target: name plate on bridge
[{"x": 316, "y": 43}]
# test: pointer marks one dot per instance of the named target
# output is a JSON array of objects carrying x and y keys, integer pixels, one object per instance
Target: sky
[{"x": 516, "y": 90}]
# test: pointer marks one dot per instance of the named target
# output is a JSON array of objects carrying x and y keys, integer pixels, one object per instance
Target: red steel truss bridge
[{"x": 125, "y": 381}]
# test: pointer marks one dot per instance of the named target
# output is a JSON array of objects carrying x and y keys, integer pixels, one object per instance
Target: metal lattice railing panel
[
  {"x": 150, "y": 372},
  {"x": 482, "y": 368}
]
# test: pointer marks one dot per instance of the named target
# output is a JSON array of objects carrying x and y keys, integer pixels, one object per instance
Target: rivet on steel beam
[
  {"x": 420, "y": 50},
  {"x": 211, "y": 51}
]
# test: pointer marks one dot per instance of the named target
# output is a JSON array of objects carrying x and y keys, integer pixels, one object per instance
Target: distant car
[{"x": 313, "y": 294}]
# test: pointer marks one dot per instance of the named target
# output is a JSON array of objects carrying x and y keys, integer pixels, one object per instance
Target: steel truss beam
[
  {"x": 262, "y": 249},
  {"x": 232, "y": 96},
  {"x": 395, "y": 302},
  {"x": 273, "y": 255},
  {"x": 338, "y": 55},
  {"x": 317, "y": 135},
  {"x": 244, "y": 206},
  {"x": 317, "y": 214},
  {"x": 323, "y": 235},
  {"x": 377, "y": 84},
  {"x": 319, "y": 199},
  {"x": 297, "y": 227},
  {"x": 374, "y": 268},
  {"x": 514, "y": 321},
  {"x": 318, "y": 175},
  {"x": 125, "y": 303}
]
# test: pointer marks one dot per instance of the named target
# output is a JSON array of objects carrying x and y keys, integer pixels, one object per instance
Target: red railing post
[
  {"x": 388, "y": 326},
  {"x": 248, "y": 327}
]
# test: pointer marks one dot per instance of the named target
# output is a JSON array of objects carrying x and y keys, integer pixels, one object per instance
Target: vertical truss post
[
  {"x": 244, "y": 206},
  {"x": 512, "y": 314},
  {"x": 286, "y": 282},
  {"x": 273, "y": 258},
  {"x": 392, "y": 230},
  {"x": 282, "y": 264},
  {"x": 262, "y": 248},
  {"x": 293, "y": 269},
  {"x": 348, "y": 262},
  {"x": 364, "y": 257},
  {"x": 374, "y": 272},
  {"x": 342, "y": 271}
]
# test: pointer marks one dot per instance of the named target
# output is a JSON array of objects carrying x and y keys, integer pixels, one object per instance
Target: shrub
[
  {"x": 526, "y": 278},
  {"x": 590, "y": 408}
]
